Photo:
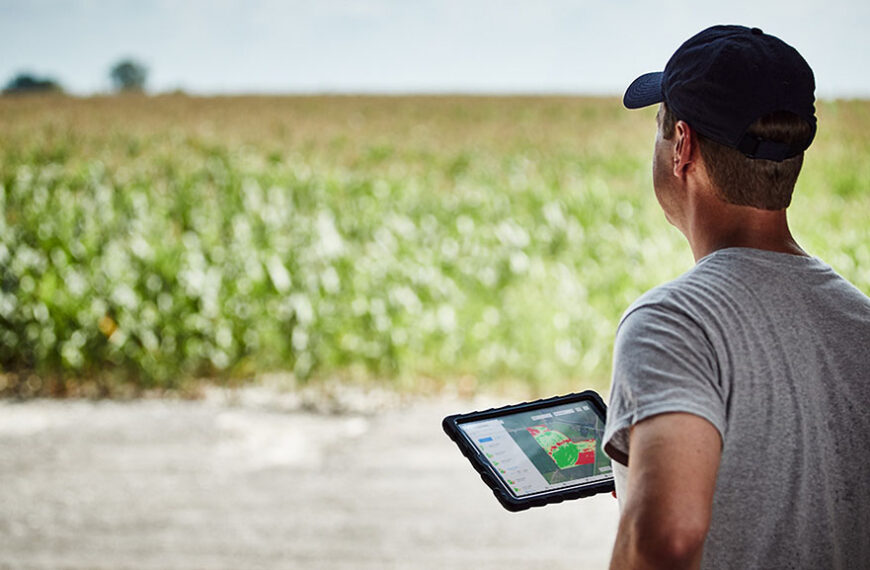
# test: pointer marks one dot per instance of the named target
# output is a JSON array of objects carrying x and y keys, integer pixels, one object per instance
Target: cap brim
[{"x": 644, "y": 91}]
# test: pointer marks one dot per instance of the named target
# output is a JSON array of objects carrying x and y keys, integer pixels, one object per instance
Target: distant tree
[
  {"x": 28, "y": 83},
  {"x": 128, "y": 75}
]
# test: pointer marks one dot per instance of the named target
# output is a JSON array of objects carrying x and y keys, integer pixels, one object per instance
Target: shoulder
[
  {"x": 677, "y": 297},
  {"x": 674, "y": 314},
  {"x": 663, "y": 361},
  {"x": 734, "y": 284}
]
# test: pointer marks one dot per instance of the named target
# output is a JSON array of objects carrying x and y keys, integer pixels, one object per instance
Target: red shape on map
[
  {"x": 587, "y": 456},
  {"x": 536, "y": 430}
]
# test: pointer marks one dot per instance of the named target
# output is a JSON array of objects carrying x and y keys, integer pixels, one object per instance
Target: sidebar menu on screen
[{"x": 502, "y": 452}]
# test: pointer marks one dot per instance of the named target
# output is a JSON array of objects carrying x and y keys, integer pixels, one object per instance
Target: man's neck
[{"x": 715, "y": 225}]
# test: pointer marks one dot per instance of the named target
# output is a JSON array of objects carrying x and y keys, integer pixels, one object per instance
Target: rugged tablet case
[{"x": 507, "y": 500}]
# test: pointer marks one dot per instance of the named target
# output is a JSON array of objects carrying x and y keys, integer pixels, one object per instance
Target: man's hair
[{"x": 745, "y": 181}]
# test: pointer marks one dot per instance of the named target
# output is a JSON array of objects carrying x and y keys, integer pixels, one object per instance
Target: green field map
[{"x": 564, "y": 452}]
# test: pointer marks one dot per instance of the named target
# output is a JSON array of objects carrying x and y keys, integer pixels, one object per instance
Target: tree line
[{"x": 127, "y": 75}]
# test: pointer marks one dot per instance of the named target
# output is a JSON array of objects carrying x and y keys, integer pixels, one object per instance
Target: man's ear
[{"x": 685, "y": 143}]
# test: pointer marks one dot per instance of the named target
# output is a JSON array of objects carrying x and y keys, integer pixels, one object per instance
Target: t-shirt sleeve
[{"x": 662, "y": 362}]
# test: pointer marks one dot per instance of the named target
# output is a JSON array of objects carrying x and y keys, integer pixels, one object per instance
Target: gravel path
[{"x": 237, "y": 483}]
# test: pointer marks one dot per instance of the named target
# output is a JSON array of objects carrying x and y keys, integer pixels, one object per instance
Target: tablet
[{"x": 536, "y": 453}]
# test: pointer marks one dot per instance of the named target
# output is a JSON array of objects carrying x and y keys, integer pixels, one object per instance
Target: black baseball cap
[{"x": 723, "y": 79}]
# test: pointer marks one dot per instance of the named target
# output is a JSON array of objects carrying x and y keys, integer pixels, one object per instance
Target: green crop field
[{"x": 415, "y": 241}]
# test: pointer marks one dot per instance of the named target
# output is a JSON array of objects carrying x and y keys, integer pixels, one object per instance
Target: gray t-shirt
[{"x": 774, "y": 351}]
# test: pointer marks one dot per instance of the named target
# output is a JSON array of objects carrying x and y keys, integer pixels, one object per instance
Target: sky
[{"x": 407, "y": 46}]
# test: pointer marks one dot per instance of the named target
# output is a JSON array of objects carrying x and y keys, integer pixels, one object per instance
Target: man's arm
[{"x": 673, "y": 462}]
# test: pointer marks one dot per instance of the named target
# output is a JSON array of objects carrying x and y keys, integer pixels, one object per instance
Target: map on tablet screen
[{"x": 543, "y": 449}]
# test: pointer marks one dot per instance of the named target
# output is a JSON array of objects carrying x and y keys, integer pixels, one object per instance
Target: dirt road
[{"x": 237, "y": 483}]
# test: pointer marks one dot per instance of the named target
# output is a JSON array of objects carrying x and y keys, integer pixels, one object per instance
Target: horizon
[{"x": 362, "y": 94}]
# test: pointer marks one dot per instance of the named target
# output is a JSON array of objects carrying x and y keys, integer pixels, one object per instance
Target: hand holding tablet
[{"x": 536, "y": 453}]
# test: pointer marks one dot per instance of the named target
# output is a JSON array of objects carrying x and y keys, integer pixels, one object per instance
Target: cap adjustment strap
[{"x": 757, "y": 147}]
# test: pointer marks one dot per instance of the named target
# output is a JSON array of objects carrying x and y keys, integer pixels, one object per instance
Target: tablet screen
[{"x": 543, "y": 449}]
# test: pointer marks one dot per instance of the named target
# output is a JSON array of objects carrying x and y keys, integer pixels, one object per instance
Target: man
[{"x": 738, "y": 420}]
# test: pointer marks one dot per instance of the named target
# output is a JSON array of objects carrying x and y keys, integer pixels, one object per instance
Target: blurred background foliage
[{"x": 415, "y": 241}]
